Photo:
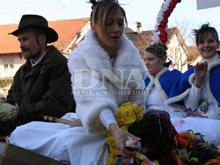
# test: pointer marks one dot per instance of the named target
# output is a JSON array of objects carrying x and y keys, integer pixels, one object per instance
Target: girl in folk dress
[{"x": 199, "y": 88}]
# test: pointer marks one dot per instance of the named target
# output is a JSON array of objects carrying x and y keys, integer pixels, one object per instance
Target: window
[{"x": 8, "y": 65}]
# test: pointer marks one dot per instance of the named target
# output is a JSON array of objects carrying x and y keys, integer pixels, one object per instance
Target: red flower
[{"x": 163, "y": 23}]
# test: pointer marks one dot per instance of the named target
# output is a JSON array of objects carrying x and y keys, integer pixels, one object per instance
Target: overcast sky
[{"x": 144, "y": 11}]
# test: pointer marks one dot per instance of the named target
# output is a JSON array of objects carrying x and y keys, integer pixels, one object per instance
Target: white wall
[{"x": 14, "y": 59}]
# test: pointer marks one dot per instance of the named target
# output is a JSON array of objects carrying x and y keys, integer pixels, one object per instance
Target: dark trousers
[{"x": 6, "y": 128}]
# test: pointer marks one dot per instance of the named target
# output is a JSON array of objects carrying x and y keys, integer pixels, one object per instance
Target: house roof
[
  {"x": 144, "y": 39},
  {"x": 66, "y": 29}
]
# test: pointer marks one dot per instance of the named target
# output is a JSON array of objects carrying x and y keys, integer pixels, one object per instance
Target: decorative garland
[
  {"x": 193, "y": 149},
  {"x": 160, "y": 33}
]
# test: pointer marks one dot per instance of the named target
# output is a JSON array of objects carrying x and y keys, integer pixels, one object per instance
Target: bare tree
[
  {"x": 177, "y": 55},
  {"x": 186, "y": 32},
  {"x": 188, "y": 44}
]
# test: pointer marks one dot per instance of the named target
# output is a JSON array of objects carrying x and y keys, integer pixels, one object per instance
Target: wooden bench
[{"x": 13, "y": 155}]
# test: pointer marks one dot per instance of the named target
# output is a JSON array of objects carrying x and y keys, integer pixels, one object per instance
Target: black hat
[{"x": 36, "y": 21}]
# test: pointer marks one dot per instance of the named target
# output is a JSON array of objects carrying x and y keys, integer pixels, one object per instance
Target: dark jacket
[{"x": 42, "y": 90}]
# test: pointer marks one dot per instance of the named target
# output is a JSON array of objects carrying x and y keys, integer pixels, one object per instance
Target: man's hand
[
  {"x": 76, "y": 123},
  {"x": 8, "y": 112},
  {"x": 2, "y": 100}
]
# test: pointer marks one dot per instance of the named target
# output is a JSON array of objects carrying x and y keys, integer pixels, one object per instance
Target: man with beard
[{"x": 42, "y": 85}]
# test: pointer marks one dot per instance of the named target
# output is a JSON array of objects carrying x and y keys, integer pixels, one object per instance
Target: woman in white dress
[
  {"x": 160, "y": 80},
  {"x": 199, "y": 89},
  {"x": 158, "y": 83},
  {"x": 107, "y": 71}
]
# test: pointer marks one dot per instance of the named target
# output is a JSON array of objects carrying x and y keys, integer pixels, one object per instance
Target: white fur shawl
[{"x": 93, "y": 59}]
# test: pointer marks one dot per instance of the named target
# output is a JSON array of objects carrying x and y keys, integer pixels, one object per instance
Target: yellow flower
[
  {"x": 140, "y": 114},
  {"x": 127, "y": 114},
  {"x": 126, "y": 104},
  {"x": 194, "y": 159},
  {"x": 114, "y": 151},
  {"x": 111, "y": 160},
  {"x": 110, "y": 140},
  {"x": 135, "y": 109},
  {"x": 192, "y": 135},
  {"x": 107, "y": 132},
  {"x": 119, "y": 119},
  {"x": 155, "y": 161},
  {"x": 112, "y": 146},
  {"x": 124, "y": 127}
]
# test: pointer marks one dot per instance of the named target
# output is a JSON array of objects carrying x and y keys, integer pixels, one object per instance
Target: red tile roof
[
  {"x": 8, "y": 43},
  {"x": 66, "y": 29},
  {"x": 144, "y": 39}
]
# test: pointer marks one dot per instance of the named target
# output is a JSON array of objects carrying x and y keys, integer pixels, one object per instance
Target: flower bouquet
[
  {"x": 127, "y": 114},
  {"x": 192, "y": 149}
]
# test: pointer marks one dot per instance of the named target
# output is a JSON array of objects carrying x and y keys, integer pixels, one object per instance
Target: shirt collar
[
  {"x": 210, "y": 60},
  {"x": 39, "y": 60}
]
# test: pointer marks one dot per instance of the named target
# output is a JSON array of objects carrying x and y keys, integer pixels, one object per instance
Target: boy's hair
[{"x": 202, "y": 32}]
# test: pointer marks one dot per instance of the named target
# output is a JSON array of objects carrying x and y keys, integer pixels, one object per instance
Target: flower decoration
[
  {"x": 193, "y": 149},
  {"x": 135, "y": 145},
  {"x": 160, "y": 33},
  {"x": 127, "y": 114}
]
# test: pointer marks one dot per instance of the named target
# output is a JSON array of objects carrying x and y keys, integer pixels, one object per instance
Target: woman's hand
[
  {"x": 76, "y": 123},
  {"x": 120, "y": 137},
  {"x": 200, "y": 73}
]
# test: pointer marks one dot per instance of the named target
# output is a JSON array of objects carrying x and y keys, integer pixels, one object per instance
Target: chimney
[{"x": 139, "y": 28}]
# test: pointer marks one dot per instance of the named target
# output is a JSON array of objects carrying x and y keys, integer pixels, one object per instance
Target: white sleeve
[
  {"x": 192, "y": 100},
  {"x": 107, "y": 117}
]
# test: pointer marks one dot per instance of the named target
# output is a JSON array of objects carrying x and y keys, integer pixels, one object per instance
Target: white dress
[
  {"x": 156, "y": 101},
  {"x": 62, "y": 143},
  {"x": 209, "y": 127},
  {"x": 86, "y": 145}
]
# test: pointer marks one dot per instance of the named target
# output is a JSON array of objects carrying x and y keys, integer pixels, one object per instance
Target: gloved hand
[
  {"x": 8, "y": 112},
  {"x": 2, "y": 100}
]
